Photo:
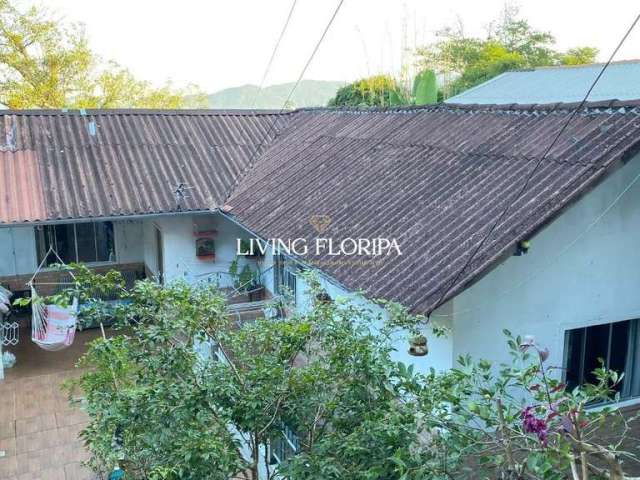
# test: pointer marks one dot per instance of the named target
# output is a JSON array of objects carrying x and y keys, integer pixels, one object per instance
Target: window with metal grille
[
  {"x": 614, "y": 345},
  {"x": 278, "y": 274},
  {"x": 284, "y": 278},
  {"x": 285, "y": 445},
  {"x": 87, "y": 242}
]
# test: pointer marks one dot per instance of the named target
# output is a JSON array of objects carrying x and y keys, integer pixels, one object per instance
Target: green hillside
[{"x": 310, "y": 93}]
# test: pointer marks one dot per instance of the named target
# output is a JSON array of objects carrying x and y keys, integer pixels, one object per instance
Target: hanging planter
[{"x": 418, "y": 346}]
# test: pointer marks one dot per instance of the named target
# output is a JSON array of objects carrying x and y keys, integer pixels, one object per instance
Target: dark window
[
  {"x": 614, "y": 345},
  {"x": 76, "y": 242},
  {"x": 284, "y": 445},
  {"x": 86, "y": 242}
]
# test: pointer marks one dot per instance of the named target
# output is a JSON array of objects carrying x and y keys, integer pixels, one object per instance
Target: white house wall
[
  {"x": 18, "y": 247},
  {"x": 17, "y": 251},
  {"x": 129, "y": 241},
  {"x": 559, "y": 286},
  {"x": 150, "y": 251},
  {"x": 179, "y": 247}
]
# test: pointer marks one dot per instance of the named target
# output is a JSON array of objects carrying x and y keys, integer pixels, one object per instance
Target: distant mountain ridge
[{"x": 309, "y": 93}]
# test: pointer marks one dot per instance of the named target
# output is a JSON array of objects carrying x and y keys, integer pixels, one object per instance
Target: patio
[{"x": 38, "y": 428}]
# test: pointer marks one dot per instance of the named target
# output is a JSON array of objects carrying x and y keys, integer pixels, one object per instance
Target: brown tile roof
[
  {"x": 435, "y": 178},
  {"x": 52, "y": 167}
]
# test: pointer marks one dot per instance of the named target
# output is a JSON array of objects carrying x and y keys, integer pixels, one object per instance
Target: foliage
[
  {"x": 376, "y": 91},
  {"x": 385, "y": 91},
  {"x": 511, "y": 44},
  {"x": 519, "y": 422},
  {"x": 45, "y": 63},
  {"x": 425, "y": 88},
  {"x": 162, "y": 407},
  {"x": 245, "y": 278},
  {"x": 148, "y": 408},
  {"x": 579, "y": 56},
  {"x": 326, "y": 375}
]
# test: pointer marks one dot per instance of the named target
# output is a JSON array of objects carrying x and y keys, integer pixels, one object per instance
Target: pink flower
[
  {"x": 544, "y": 354},
  {"x": 533, "y": 424}
]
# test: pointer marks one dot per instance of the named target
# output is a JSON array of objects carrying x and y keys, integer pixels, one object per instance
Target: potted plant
[
  {"x": 418, "y": 346},
  {"x": 256, "y": 289}
]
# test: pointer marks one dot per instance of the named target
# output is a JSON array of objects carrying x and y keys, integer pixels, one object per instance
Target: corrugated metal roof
[
  {"x": 61, "y": 165},
  {"x": 620, "y": 81},
  {"x": 435, "y": 179}
]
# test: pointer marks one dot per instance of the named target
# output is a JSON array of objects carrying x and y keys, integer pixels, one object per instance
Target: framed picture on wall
[{"x": 205, "y": 248}]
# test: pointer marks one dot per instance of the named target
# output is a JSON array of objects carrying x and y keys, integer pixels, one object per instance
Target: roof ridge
[
  {"x": 513, "y": 107},
  {"x": 145, "y": 111},
  {"x": 582, "y": 65},
  {"x": 507, "y": 107}
]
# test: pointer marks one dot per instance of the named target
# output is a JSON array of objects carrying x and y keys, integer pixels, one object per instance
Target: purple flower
[
  {"x": 544, "y": 354},
  {"x": 533, "y": 424}
]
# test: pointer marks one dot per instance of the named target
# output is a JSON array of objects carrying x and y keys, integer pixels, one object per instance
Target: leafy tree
[
  {"x": 162, "y": 408},
  {"x": 385, "y": 91},
  {"x": 519, "y": 421},
  {"x": 172, "y": 413},
  {"x": 376, "y": 91},
  {"x": 579, "y": 56},
  {"x": 511, "y": 44},
  {"x": 47, "y": 64}
]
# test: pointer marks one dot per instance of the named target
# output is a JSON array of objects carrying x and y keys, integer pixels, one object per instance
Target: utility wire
[
  {"x": 273, "y": 54},
  {"x": 313, "y": 54},
  {"x": 553, "y": 261},
  {"x": 293, "y": 89},
  {"x": 525, "y": 184}
]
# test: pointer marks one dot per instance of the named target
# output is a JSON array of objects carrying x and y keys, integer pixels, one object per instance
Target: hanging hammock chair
[{"x": 53, "y": 327}]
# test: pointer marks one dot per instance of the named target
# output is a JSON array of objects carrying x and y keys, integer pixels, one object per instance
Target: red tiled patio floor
[{"x": 38, "y": 428}]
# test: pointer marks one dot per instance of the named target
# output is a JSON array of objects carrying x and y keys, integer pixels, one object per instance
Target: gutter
[{"x": 103, "y": 219}]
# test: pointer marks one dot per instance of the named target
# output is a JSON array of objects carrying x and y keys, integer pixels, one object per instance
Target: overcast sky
[{"x": 224, "y": 43}]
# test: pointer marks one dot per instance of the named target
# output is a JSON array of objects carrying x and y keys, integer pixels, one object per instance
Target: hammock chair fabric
[{"x": 53, "y": 327}]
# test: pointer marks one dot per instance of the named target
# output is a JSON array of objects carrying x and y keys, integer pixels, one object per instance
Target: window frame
[
  {"x": 286, "y": 445},
  {"x": 630, "y": 391},
  {"x": 285, "y": 275},
  {"x": 40, "y": 232}
]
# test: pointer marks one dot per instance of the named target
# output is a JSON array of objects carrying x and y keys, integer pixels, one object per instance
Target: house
[
  {"x": 567, "y": 83},
  {"x": 382, "y": 203}
]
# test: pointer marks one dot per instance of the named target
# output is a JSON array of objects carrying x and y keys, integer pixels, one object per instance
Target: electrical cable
[
  {"x": 273, "y": 54},
  {"x": 553, "y": 260},
  {"x": 291, "y": 92},
  {"x": 525, "y": 184}
]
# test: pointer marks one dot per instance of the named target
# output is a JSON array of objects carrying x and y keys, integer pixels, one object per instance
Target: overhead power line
[
  {"x": 273, "y": 54},
  {"x": 527, "y": 180},
  {"x": 313, "y": 54},
  {"x": 553, "y": 261},
  {"x": 291, "y": 92}
]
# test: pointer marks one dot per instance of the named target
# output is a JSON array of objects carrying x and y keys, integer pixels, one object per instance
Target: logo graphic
[
  {"x": 321, "y": 245},
  {"x": 320, "y": 223}
]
